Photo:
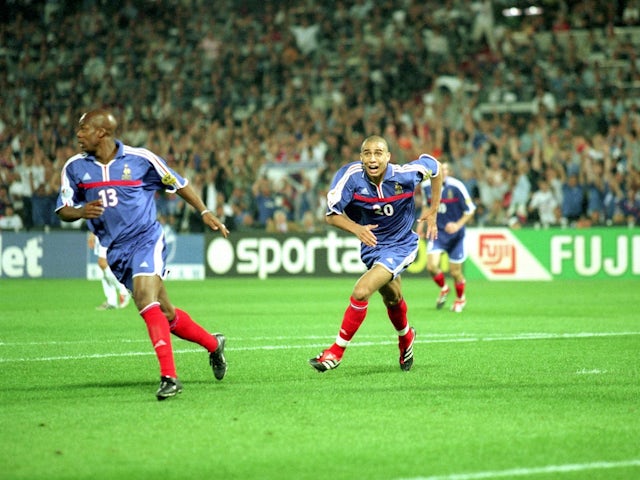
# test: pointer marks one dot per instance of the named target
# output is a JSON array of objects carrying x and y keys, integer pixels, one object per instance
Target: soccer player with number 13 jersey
[{"x": 112, "y": 186}]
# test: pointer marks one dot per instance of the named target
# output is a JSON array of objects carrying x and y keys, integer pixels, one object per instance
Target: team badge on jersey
[
  {"x": 126, "y": 173},
  {"x": 398, "y": 188}
]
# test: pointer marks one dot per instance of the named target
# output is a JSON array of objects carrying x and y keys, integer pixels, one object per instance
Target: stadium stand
[{"x": 282, "y": 91}]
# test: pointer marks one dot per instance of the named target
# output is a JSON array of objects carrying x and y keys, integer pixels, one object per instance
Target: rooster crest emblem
[{"x": 126, "y": 173}]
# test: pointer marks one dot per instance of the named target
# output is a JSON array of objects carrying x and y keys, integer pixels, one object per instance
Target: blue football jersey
[
  {"x": 455, "y": 202},
  {"x": 390, "y": 205},
  {"x": 126, "y": 186}
]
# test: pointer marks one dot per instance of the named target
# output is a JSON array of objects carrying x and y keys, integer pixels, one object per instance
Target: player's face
[
  {"x": 87, "y": 135},
  {"x": 375, "y": 158},
  {"x": 446, "y": 170}
]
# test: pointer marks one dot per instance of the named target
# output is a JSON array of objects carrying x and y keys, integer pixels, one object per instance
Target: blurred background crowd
[{"x": 536, "y": 107}]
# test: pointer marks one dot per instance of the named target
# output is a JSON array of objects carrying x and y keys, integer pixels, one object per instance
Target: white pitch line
[
  {"x": 526, "y": 472},
  {"x": 453, "y": 339},
  {"x": 242, "y": 339},
  {"x": 430, "y": 338}
]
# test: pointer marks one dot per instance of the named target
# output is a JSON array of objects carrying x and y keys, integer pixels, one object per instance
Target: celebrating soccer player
[{"x": 374, "y": 200}]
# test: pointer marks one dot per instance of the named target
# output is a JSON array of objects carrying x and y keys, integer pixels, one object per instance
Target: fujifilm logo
[
  {"x": 499, "y": 255},
  {"x": 267, "y": 256},
  {"x": 16, "y": 262},
  {"x": 591, "y": 256}
]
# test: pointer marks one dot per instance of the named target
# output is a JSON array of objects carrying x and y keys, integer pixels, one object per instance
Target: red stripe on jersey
[
  {"x": 112, "y": 183},
  {"x": 393, "y": 198}
]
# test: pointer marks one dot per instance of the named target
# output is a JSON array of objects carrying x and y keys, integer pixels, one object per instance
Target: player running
[
  {"x": 456, "y": 209},
  {"x": 374, "y": 200},
  {"x": 112, "y": 186}
]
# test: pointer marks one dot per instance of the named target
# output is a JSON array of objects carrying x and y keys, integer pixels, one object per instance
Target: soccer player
[
  {"x": 112, "y": 186},
  {"x": 456, "y": 209},
  {"x": 116, "y": 294},
  {"x": 374, "y": 200}
]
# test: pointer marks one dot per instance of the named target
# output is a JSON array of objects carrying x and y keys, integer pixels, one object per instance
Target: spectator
[
  {"x": 280, "y": 224},
  {"x": 573, "y": 197},
  {"x": 543, "y": 207},
  {"x": 308, "y": 223},
  {"x": 210, "y": 45},
  {"x": 25, "y": 188},
  {"x": 554, "y": 179},
  {"x": 483, "y": 27},
  {"x": 614, "y": 200},
  {"x": 210, "y": 194},
  {"x": 596, "y": 190},
  {"x": 304, "y": 199},
  {"x": 494, "y": 188},
  {"x": 306, "y": 33},
  {"x": 631, "y": 13},
  {"x": 630, "y": 208},
  {"x": 5, "y": 199},
  {"x": 10, "y": 220},
  {"x": 521, "y": 193},
  {"x": 265, "y": 201},
  {"x": 225, "y": 213}
]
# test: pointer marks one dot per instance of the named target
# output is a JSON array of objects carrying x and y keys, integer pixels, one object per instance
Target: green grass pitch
[{"x": 532, "y": 380}]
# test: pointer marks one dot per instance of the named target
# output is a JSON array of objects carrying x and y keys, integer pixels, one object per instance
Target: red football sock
[
  {"x": 460, "y": 289},
  {"x": 351, "y": 321},
  {"x": 406, "y": 339},
  {"x": 337, "y": 350},
  {"x": 398, "y": 315},
  {"x": 439, "y": 279},
  {"x": 184, "y": 327},
  {"x": 158, "y": 328}
]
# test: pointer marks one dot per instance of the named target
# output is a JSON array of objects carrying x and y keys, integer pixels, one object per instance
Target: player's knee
[
  {"x": 433, "y": 266},
  {"x": 143, "y": 299},
  {"x": 169, "y": 312},
  {"x": 392, "y": 301},
  {"x": 456, "y": 272},
  {"x": 360, "y": 293},
  {"x": 433, "y": 269},
  {"x": 458, "y": 278}
]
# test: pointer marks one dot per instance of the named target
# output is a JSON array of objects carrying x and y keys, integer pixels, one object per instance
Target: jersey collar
[
  {"x": 387, "y": 174},
  {"x": 120, "y": 152}
]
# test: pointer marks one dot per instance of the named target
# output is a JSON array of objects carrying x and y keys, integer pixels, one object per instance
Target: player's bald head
[
  {"x": 374, "y": 139},
  {"x": 101, "y": 118}
]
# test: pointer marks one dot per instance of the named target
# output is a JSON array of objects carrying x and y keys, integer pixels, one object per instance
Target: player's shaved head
[
  {"x": 96, "y": 134},
  {"x": 100, "y": 118},
  {"x": 374, "y": 139}
]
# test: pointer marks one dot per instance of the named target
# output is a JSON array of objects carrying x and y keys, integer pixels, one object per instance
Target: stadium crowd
[{"x": 260, "y": 102}]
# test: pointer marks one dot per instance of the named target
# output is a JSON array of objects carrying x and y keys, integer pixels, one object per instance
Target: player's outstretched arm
[
  {"x": 192, "y": 198},
  {"x": 429, "y": 214}
]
